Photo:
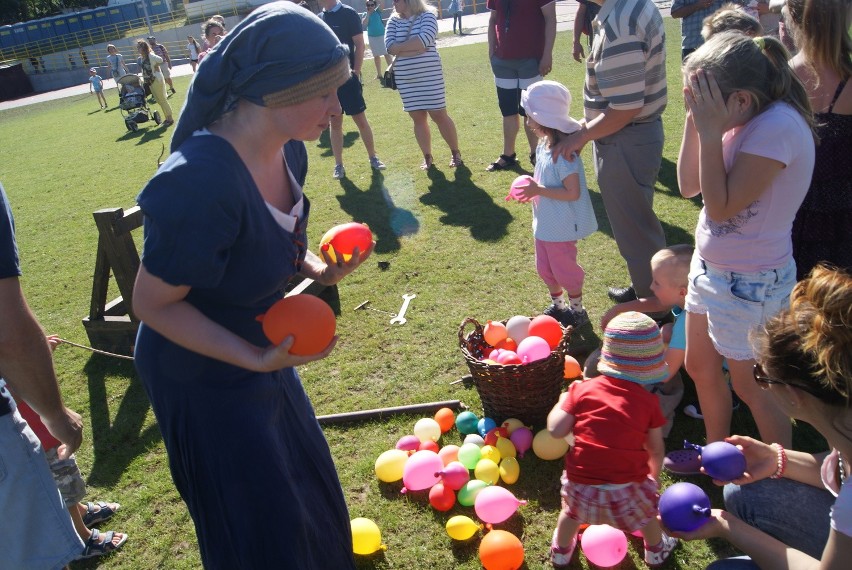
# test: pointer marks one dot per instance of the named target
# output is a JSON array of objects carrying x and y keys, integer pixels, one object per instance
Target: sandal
[
  {"x": 105, "y": 511},
  {"x": 427, "y": 162},
  {"x": 456, "y": 159},
  {"x": 502, "y": 163},
  {"x": 95, "y": 547},
  {"x": 683, "y": 462}
]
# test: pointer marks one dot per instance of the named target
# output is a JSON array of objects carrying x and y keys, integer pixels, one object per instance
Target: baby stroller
[{"x": 131, "y": 101}]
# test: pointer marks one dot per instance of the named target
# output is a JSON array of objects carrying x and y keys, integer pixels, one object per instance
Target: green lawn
[{"x": 448, "y": 236}]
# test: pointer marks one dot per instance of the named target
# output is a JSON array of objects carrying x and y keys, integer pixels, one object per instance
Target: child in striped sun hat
[{"x": 612, "y": 470}]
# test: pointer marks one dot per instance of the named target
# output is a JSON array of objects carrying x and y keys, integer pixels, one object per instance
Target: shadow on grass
[
  {"x": 116, "y": 444},
  {"x": 375, "y": 207},
  {"x": 467, "y": 205}
]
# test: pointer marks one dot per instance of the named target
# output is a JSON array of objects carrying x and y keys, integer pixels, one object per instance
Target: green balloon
[
  {"x": 469, "y": 455},
  {"x": 467, "y": 494},
  {"x": 466, "y": 422}
]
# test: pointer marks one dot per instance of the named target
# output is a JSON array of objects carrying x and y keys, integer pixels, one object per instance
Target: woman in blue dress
[{"x": 225, "y": 225}]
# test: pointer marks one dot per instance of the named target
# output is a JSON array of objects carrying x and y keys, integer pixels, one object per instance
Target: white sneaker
[
  {"x": 561, "y": 557},
  {"x": 657, "y": 555},
  {"x": 377, "y": 164},
  {"x": 339, "y": 172}
]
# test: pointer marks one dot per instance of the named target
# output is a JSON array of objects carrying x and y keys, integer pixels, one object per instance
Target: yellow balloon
[
  {"x": 510, "y": 470},
  {"x": 506, "y": 447},
  {"x": 547, "y": 447},
  {"x": 487, "y": 471},
  {"x": 390, "y": 464},
  {"x": 512, "y": 424},
  {"x": 461, "y": 527},
  {"x": 490, "y": 452},
  {"x": 366, "y": 536}
]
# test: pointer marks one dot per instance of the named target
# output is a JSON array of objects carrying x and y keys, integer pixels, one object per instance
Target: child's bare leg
[
  {"x": 704, "y": 366},
  {"x": 652, "y": 533},
  {"x": 566, "y": 530},
  {"x": 77, "y": 519},
  {"x": 772, "y": 423}
]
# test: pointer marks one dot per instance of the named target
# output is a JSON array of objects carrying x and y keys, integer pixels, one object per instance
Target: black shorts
[{"x": 351, "y": 96}]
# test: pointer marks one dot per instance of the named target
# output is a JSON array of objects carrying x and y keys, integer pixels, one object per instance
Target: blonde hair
[
  {"x": 755, "y": 65},
  {"x": 727, "y": 18},
  {"x": 417, "y": 7},
  {"x": 143, "y": 43},
  {"x": 678, "y": 257},
  {"x": 809, "y": 345},
  {"x": 821, "y": 32}
]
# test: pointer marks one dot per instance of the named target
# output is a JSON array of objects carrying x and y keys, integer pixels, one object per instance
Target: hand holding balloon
[
  {"x": 521, "y": 188},
  {"x": 761, "y": 459},
  {"x": 713, "y": 528}
]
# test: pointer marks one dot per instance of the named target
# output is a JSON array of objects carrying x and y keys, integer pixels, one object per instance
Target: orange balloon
[
  {"x": 343, "y": 239},
  {"x": 501, "y": 550},
  {"x": 446, "y": 419},
  {"x": 307, "y": 317},
  {"x": 507, "y": 344},
  {"x": 572, "y": 368},
  {"x": 494, "y": 332},
  {"x": 548, "y": 328}
]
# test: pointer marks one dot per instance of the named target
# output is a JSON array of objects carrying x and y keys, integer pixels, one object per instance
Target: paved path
[{"x": 475, "y": 26}]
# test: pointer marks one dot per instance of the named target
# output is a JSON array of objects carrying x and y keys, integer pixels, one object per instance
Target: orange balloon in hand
[
  {"x": 343, "y": 240},
  {"x": 308, "y": 318}
]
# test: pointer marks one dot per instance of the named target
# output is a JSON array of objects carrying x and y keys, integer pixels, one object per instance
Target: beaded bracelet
[{"x": 782, "y": 461}]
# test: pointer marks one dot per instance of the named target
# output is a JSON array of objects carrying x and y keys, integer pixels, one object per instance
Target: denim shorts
[
  {"x": 737, "y": 303},
  {"x": 41, "y": 534}
]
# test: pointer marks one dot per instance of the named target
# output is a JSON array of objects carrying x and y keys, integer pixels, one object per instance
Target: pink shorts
[{"x": 626, "y": 508}]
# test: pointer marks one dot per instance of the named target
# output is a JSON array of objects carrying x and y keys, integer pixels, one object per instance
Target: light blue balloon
[{"x": 485, "y": 425}]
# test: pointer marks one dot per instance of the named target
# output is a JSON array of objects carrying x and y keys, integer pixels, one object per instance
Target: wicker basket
[{"x": 524, "y": 391}]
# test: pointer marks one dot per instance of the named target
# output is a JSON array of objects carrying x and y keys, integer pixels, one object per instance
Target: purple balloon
[
  {"x": 522, "y": 439},
  {"x": 408, "y": 443},
  {"x": 723, "y": 461},
  {"x": 684, "y": 507}
]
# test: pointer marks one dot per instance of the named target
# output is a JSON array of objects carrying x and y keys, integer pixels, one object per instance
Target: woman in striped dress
[{"x": 410, "y": 36}]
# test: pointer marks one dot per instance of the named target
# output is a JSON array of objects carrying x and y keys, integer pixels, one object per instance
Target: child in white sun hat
[{"x": 562, "y": 209}]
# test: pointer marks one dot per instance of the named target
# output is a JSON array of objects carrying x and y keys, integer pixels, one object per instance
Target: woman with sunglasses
[{"x": 793, "y": 509}]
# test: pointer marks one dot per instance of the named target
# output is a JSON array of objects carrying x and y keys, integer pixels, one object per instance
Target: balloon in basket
[
  {"x": 518, "y": 327},
  {"x": 684, "y": 507},
  {"x": 390, "y": 465},
  {"x": 603, "y": 545},
  {"x": 501, "y": 550},
  {"x": 466, "y": 422},
  {"x": 420, "y": 471},
  {"x": 461, "y": 527},
  {"x": 548, "y": 328},
  {"x": 343, "y": 240},
  {"x": 366, "y": 536},
  {"x": 494, "y": 332},
  {"x": 308, "y": 318},
  {"x": 496, "y": 504},
  {"x": 533, "y": 348},
  {"x": 547, "y": 447}
]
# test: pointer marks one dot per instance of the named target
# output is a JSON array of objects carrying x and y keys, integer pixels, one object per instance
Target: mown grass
[{"x": 448, "y": 236}]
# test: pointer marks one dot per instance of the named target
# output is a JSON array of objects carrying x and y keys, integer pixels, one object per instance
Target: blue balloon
[
  {"x": 684, "y": 507},
  {"x": 723, "y": 461},
  {"x": 485, "y": 425}
]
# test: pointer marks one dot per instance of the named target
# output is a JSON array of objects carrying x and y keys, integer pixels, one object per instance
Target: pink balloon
[
  {"x": 496, "y": 504},
  {"x": 522, "y": 439},
  {"x": 454, "y": 475},
  {"x": 509, "y": 357},
  {"x": 603, "y": 545},
  {"x": 519, "y": 182},
  {"x": 533, "y": 348},
  {"x": 449, "y": 453},
  {"x": 408, "y": 443},
  {"x": 420, "y": 471}
]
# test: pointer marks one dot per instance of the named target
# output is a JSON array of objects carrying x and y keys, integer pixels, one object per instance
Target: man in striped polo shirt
[{"x": 624, "y": 98}]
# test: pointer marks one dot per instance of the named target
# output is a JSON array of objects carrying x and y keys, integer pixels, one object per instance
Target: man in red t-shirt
[{"x": 520, "y": 46}]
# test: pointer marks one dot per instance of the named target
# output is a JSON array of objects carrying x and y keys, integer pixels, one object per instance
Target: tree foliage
[{"x": 13, "y": 11}]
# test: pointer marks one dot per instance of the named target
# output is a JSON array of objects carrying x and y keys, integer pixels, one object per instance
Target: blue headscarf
[{"x": 280, "y": 54}]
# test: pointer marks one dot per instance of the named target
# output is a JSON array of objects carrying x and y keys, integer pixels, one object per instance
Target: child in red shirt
[{"x": 612, "y": 469}]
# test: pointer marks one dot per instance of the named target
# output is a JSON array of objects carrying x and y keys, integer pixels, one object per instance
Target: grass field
[{"x": 447, "y": 235}]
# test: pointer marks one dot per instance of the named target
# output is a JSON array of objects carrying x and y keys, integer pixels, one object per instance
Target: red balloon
[
  {"x": 501, "y": 550},
  {"x": 343, "y": 239},
  {"x": 430, "y": 445},
  {"x": 507, "y": 344},
  {"x": 308, "y": 318},
  {"x": 441, "y": 498},
  {"x": 548, "y": 328}
]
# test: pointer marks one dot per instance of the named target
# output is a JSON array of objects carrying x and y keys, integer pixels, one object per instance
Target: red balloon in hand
[
  {"x": 308, "y": 318},
  {"x": 343, "y": 240}
]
